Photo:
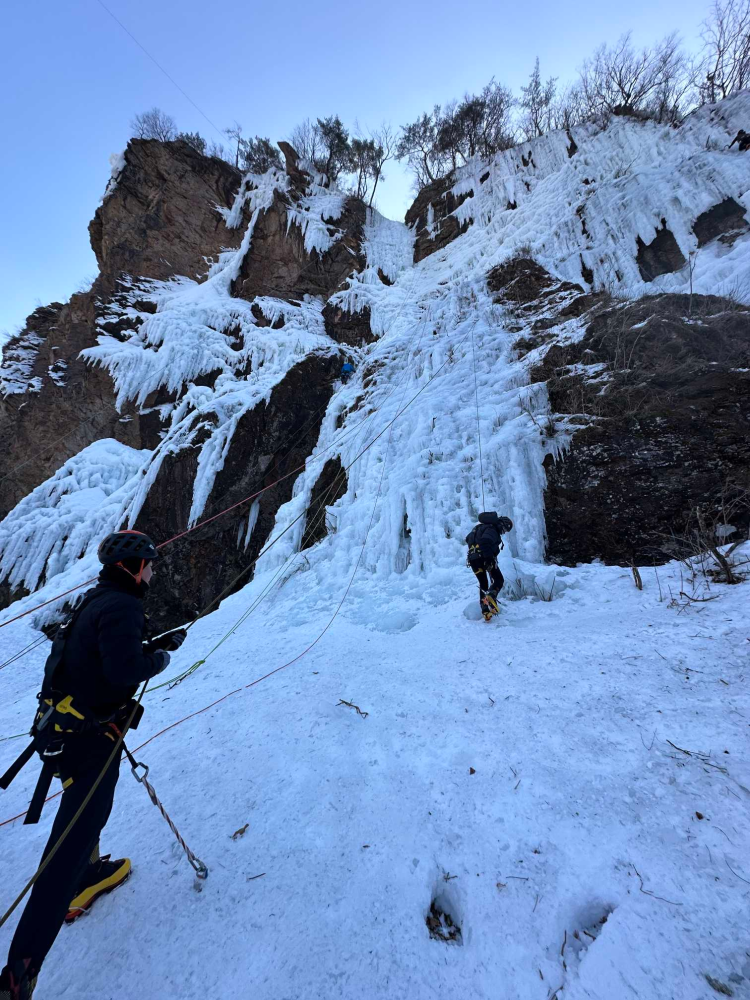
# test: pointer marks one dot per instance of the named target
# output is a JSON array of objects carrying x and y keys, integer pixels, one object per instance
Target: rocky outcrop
[
  {"x": 163, "y": 217},
  {"x": 662, "y": 403},
  {"x": 329, "y": 488},
  {"x": 160, "y": 219},
  {"x": 725, "y": 221},
  {"x": 523, "y": 282},
  {"x": 431, "y": 215},
  {"x": 349, "y": 328},
  {"x": 661, "y": 256},
  {"x": 58, "y": 405},
  {"x": 277, "y": 263}
]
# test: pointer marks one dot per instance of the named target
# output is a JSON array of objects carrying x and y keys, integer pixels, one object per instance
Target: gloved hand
[
  {"x": 171, "y": 641},
  {"x": 161, "y": 659}
]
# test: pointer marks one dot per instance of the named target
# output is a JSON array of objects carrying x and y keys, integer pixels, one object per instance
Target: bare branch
[{"x": 356, "y": 707}]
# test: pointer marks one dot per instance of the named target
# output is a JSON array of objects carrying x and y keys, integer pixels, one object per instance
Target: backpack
[{"x": 484, "y": 539}]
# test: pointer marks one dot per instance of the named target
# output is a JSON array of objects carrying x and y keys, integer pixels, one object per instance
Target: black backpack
[{"x": 484, "y": 539}]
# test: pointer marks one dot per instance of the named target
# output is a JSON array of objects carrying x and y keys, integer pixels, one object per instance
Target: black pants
[
  {"x": 82, "y": 760},
  {"x": 481, "y": 570}
]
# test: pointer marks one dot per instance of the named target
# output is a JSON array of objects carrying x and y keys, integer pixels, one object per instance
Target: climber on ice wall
[
  {"x": 91, "y": 676},
  {"x": 743, "y": 141},
  {"x": 485, "y": 541}
]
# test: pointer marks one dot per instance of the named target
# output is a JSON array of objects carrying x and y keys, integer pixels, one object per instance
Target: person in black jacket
[
  {"x": 104, "y": 660},
  {"x": 485, "y": 541}
]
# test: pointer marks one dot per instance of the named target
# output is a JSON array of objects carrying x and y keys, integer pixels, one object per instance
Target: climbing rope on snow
[
  {"x": 197, "y": 865},
  {"x": 26, "y": 649}
]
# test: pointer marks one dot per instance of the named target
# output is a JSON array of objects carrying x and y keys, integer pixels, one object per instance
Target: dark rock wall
[
  {"x": 664, "y": 434},
  {"x": 445, "y": 225},
  {"x": 269, "y": 443}
]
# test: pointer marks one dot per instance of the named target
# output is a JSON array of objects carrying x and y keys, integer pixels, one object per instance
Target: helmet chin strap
[{"x": 136, "y": 576}]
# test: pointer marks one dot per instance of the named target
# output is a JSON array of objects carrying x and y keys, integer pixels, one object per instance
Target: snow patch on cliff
[
  {"x": 587, "y": 209},
  {"x": 66, "y": 517},
  {"x": 18, "y": 364}
]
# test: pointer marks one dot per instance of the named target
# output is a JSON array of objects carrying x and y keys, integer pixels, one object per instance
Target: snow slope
[{"x": 356, "y": 824}]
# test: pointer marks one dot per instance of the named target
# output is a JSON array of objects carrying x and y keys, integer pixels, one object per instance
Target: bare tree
[
  {"x": 363, "y": 153},
  {"x": 217, "y": 149},
  {"x": 385, "y": 149},
  {"x": 234, "y": 132},
  {"x": 677, "y": 91},
  {"x": 306, "y": 140},
  {"x": 569, "y": 108},
  {"x": 537, "y": 102},
  {"x": 154, "y": 124},
  {"x": 418, "y": 144},
  {"x": 622, "y": 80},
  {"x": 726, "y": 49},
  {"x": 478, "y": 125}
]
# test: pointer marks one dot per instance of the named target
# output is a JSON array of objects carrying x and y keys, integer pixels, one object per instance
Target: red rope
[
  {"x": 174, "y": 538},
  {"x": 270, "y": 673},
  {"x": 239, "y": 503}
]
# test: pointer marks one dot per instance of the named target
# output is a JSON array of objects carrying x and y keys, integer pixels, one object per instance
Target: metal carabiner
[
  {"x": 197, "y": 865},
  {"x": 49, "y": 752},
  {"x": 140, "y": 777}
]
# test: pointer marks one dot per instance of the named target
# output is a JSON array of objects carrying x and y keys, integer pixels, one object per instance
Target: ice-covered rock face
[
  {"x": 216, "y": 365},
  {"x": 176, "y": 353},
  {"x": 585, "y": 202}
]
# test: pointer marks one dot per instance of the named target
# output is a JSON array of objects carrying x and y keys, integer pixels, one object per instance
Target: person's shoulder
[{"x": 118, "y": 600}]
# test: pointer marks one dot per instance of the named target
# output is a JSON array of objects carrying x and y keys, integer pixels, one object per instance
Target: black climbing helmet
[
  {"x": 491, "y": 517},
  {"x": 126, "y": 544}
]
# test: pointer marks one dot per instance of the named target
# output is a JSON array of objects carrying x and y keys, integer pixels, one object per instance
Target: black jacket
[
  {"x": 487, "y": 537},
  {"x": 104, "y": 661}
]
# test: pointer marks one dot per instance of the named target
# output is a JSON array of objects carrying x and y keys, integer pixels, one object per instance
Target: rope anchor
[{"x": 197, "y": 865}]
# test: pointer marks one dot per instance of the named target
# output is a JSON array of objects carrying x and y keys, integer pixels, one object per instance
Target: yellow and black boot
[
  {"x": 17, "y": 981},
  {"x": 489, "y": 606},
  {"x": 101, "y": 877}
]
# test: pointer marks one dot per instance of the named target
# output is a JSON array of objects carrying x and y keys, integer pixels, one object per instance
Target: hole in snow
[
  {"x": 441, "y": 924},
  {"x": 591, "y": 920}
]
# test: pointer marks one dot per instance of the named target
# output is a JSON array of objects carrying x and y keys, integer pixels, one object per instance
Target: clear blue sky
[{"x": 72, "y": 80}]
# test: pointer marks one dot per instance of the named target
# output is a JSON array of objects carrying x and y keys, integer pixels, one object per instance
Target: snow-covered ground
[{"x": 577, "y": 808}]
